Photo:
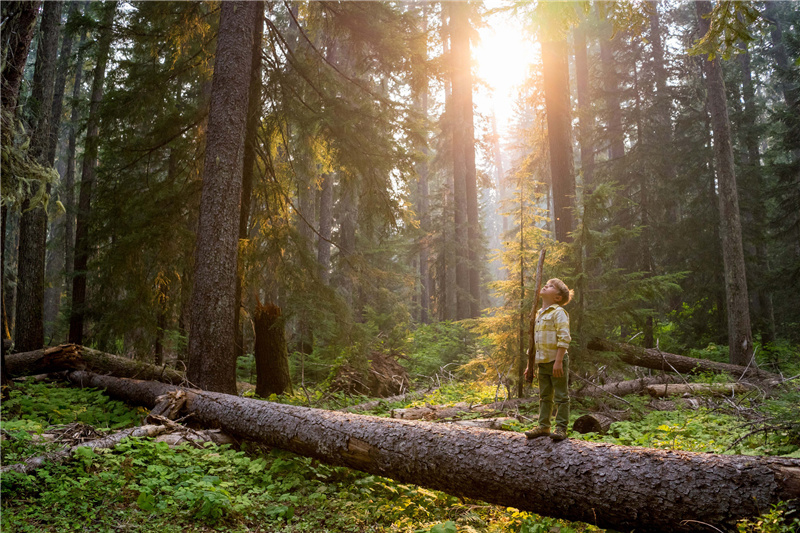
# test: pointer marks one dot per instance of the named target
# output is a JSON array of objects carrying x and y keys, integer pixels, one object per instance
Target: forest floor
[{"x": 148, "y": 486}]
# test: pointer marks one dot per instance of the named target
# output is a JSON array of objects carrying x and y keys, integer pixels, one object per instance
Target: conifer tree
[{"x": 211, "y": 336}]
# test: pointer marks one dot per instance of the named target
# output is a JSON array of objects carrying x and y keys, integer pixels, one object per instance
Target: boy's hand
[
  {"x": 558, "y": 369},
  {"x": 530, "y": 373}
]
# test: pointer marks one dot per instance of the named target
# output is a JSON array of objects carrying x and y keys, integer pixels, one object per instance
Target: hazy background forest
[{"x": 398, "y": 181}]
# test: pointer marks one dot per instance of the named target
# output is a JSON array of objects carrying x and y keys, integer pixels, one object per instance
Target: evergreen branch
[{"x": 334, "y": 67}]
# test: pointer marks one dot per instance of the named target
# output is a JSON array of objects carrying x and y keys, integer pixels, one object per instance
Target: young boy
[{"x": 551, "y": 336}]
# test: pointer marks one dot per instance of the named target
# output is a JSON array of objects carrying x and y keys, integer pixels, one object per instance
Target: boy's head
[{"x": 564, "y": 292}]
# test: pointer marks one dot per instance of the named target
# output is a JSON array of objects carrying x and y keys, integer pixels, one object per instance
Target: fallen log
[
  {"x": 611, "y": 486},
  {"x": 693, "y": 389},
  {"x": 670, "y": 362},
  {"x": 623, "y": 388},
  {"x": 75, "y": 357}
]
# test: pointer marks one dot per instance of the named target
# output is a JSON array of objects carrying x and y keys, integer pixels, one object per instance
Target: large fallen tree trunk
[
  {"x": 670, "y": 362},
  {"x": 611, "y": 486},
  {"x": 75, "y": 357}
]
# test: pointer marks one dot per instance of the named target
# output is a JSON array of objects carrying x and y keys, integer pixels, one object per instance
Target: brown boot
[
  {"x": 538, "y": 431},
  {"x": 559, "y": 434}
]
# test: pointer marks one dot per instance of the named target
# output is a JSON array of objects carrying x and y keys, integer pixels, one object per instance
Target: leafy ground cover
[{"x": 145, "y": 486}]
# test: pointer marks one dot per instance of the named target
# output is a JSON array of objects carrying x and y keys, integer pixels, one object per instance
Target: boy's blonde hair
[{"x": 565, "y": 292}]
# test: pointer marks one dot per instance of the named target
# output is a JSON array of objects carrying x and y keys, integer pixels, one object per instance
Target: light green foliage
[
  {"x": 441, "y": 345},
  {"x": 730, "y": 24},
  {"x": 37, "y": 405},
  {"x": 776, "y": 520}
]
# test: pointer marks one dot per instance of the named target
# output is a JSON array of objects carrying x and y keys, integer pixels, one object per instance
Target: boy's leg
[
  {"x": 561, "y": 396},
  {"x": 545, "y": 394}
]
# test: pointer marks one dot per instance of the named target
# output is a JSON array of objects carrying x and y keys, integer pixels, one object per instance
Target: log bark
[
  {"x": 611, "y": 486},
  {"x": 669, "y": 362},
  {"x": 693, "y": 389},
  {"x": 74, "y": 357}
]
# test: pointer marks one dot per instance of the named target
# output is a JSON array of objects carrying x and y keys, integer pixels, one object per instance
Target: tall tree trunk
[
  {"x": 272, "y": 359},
  {"x": 740, "y": 339},
  {"x": 421, "y": 165},
  {"x": 464, "y": 144},
  {"x": 616, "y": 148},
  {"x": 461, "y": 95},
  {"x": 348, "y": 219},
  {"x": 585, "y": 119},
  {"x": 91, "y": 145},
  {"x": 617, "y": 487},
  {"x": 69, "y": 176},
  {"x": 556, "y": 96},
  {"x": 754, "y": 184},
  {"x": 29, "y": 334},
  {"x": 211, "y": 336},
  {"x": 325, "y": 227},
  {"x": 249, "y": 167}
]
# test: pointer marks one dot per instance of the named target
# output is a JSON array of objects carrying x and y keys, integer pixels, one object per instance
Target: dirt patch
[{"x": 385, "y": 377}]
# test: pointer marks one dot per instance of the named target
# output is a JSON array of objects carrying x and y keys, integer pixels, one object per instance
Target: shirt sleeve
[{"x": 561, "y": 321}]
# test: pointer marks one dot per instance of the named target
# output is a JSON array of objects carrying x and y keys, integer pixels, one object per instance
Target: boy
[{"x": 551, "y": 336}]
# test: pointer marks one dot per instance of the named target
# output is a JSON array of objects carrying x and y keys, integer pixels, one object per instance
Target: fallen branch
[
  {"x": 693, "y": 389},
  {"x": 30, "y": 465}
]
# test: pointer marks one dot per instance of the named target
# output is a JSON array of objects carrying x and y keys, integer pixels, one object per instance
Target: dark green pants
[{"x": 554, "y": 392}]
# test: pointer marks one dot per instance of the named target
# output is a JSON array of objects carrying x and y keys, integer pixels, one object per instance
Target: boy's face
[{"x": 550, "y": 292}]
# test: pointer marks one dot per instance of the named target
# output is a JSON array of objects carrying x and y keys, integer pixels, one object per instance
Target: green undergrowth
[{"x": 146, "y": 486}]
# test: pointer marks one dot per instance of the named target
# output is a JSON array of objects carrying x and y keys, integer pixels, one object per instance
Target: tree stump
[{"x": 272, "y": 359}]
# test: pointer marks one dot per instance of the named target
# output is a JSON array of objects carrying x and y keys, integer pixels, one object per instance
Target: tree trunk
[
  {"x": 611, "y": 486},
  {"x": 616, "y": 148},
  {"x": 740, "y": 339},
  {"x": 422, "y": 169},
  {"x": 756, "y": 213},
  {"x": 669, "y": 362},
  {"x": 69, "y": 177},
  {"x": 211, "y": 336},
  {"x": 29, "y": 334},
  {"x": 249, "y": 169},
  {"x": 325, "y": 228},
  {"x": 19, "y": 21},
  {"x": 557, "y": 106},
  {"x": 585, "y": 118},
  {"x": 82, "y": 245},
  {"x": 272, "y": 360},
  {"x": 72, "y": 357}
]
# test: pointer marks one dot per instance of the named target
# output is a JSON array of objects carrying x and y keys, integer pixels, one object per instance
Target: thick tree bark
[
  {"x": 29, "y": 334},
  {"x": 740, "y": 338},
  {"x": 556, "y": 97},
  {"x": 669, "y": 362},
  {"x": 616, "y": 487},
  {"x": 211, "y": 336},
  {"x": 74, "y": 357},
  {"x": 91, "y": 145}
]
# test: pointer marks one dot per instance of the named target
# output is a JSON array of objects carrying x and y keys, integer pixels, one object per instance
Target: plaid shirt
[{"x": 551, "y": 332}]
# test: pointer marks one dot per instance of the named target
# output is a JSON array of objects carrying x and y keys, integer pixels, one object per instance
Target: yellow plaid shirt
[{"x": 551, "y": 332}]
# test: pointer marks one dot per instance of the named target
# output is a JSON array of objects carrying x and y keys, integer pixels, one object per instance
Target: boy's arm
[
  {"x": 558, "y": 369},
  {"x": 563, "y": 339}
]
